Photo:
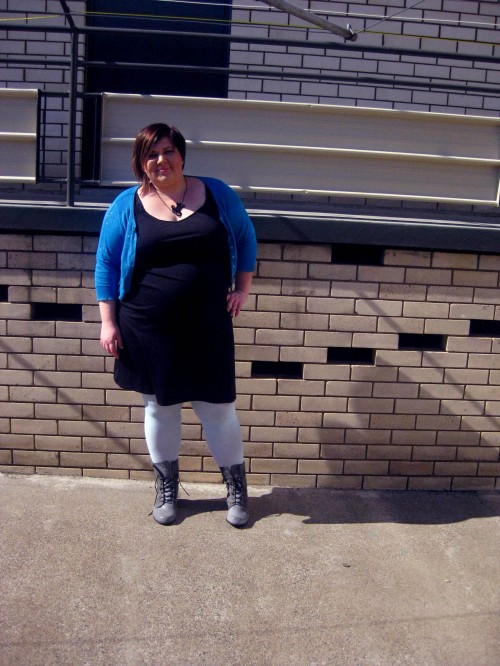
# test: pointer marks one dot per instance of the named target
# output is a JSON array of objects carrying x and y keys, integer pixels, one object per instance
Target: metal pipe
[
  {"x": 70, "y": 171},
  {"x": 420, "y": 53},
  {"x": 311, "y": 17}
]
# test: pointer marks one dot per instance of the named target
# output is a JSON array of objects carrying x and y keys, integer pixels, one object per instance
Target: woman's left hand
[{"x": 235, "y": 301}]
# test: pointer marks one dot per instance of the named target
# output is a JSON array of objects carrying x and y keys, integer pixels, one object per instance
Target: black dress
[{"x": 177, "y": 333}]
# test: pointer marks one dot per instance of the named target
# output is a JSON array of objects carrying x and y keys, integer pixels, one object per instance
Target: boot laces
[
  {"x": 238, "y": 492},
  {"x": 167, "y": 490}
]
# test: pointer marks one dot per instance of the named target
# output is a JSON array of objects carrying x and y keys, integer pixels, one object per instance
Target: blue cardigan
[{"x": 115, "y": 257}]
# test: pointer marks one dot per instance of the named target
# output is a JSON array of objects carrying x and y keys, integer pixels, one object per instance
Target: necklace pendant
[{"x": 177, "y": 209}]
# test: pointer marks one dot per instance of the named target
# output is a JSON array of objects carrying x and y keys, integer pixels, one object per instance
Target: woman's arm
[
  {"x": 111, "y": 338},
  {"x": 237, "y": 297}
]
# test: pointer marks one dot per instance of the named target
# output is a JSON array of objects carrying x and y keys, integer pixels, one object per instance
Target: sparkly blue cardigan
[{"x": 115, "y": 257}]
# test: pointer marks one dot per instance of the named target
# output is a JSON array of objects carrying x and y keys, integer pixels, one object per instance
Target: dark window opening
[
  {"x": 156, "y": 49},
  {"x": 56, "y": 312},
  {"x": 351, "y": 355},
  {"x": 422, "y": 341},
  {"x": 485, "y": 328},
  {"x": 363, "y": 255},
  {"x": 4, "y": 293},
  {"x": 277, "y": 369}
]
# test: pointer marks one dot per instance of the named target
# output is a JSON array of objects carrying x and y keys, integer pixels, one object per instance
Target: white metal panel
[
  {"x": 18, "y": 141},
  {"x": 289, "y": 147}
]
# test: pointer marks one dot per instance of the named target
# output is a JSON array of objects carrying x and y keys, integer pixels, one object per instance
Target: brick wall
[
  {"x": 350, "y": 375},
  {"x": 450, "y": 26}
]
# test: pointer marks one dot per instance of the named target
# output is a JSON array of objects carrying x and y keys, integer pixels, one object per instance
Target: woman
[{"x": 174, "y": 264}]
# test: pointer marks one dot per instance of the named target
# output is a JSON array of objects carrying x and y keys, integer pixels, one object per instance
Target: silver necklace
[{"x": 179, "y": 206}]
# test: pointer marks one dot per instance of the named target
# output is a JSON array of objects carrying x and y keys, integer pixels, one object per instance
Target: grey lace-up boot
[
  {"x": 167, "y": 486},
  {"x": 237, "y": 497}
]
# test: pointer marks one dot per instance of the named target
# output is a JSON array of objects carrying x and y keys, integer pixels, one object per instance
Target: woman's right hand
[{"x": 111, "y": 338}]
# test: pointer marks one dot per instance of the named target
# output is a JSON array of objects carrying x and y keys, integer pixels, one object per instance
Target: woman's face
[{"x": 163, "y": 163}]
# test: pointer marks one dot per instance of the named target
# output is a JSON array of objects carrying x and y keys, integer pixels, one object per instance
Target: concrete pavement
[{"x": 319, "y": 577}]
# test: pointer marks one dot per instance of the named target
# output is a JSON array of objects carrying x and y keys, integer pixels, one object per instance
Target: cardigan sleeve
[{"x": 108, "y": 257}]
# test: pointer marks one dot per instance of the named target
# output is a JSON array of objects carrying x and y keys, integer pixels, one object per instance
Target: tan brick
[
  {"x": 402, "y": 257},
  {"x": 376, "y": 467},
  {"x": 299, "y": 419},
  {"x": 304, "y": 288},
  {"x": 375, "y": 340},
  {"x": 343, "y": 452},
  {"x": 489, "y": 262},
  {"x": 58, "y": 471},
  {"x": 478, "y": 453},
  {"x": 293, "y": 481},
  {"x": 32, "y": 362},
  {"x": 31, "y": 328},
  {"x": 417, "y": 406},
  {"x": 380, "y": 452},
  {"x": 82, "y": 428},
  {"x": 62, "y": 380},
  {"x": 341, "y": 420},
  {"x": 328, "y": 339},
  {"x": 472, "y": 483},
  {"x": 81, "y": 396},
  {"x": 374, "y": 373},
  {"x": 467, "y": 376},
  {"x": 257, "y": 386},
  {"x": 429, "y": 276},
  {"x": 266, "y": 286},
  {"x": 279, "y": 337},
  {"x": 371, "y": 405},
  {"x": 353, "y": 289},
  {"x": 57, "y": 443},
  {"x": 68, "y": 363},
  {"x": 300, "y": 387},
  {"x": 438, "y": 422},
  {"x": 307, "y": 253},
  {"x": 33, "y": 394},
  {"x": 323, "y": 404},
  {"x": 332, "y": 272},
  {"x": 446, "y": 327},
  {"x": 419, "y": 309},
  {"x": 74, "y": 459},
  {"x": 194, "y": 464},
  {"x": 469, "y": 344},
  {"x": 331, "y": 305},
  {"x": 270, "y": 251},
  {"x": 345, "y": 389},
  {"x": 464, "y": 407},
  {"x": 454, "y": 260},
  {"x": 488, "y": 469},
  {"x": 429, "y": 483},
  {"x": 403, "y": 292},
  {"x": 273, "y": 434},
  {"x": 492, "y": 408},
  {"x": 35, "y": 260},
  {"x": 16, "y": 441},
  {"x": 31, "y": 426},
  {"x": 320, "y": 467},
  {"x": 455, "y": 468},
  {"x": 17, "y": 242},
  {"x": 354, "y": 323},
  {"x": 276, "y": 402},
  {"x": 395, "y": 390},
  {"x": 329, "y": 435},
  {"x": 256, "y": 353},
  {"x": 103, "y": 413},
  {"x": 384, "y": 483},
  {"x": 475, "y": 278},
  {"x": 449, "y": 438},
  {"x": 411, "y": 468},
  {"x": 17, "y": 469},
  {"x": 281, "y": 303},
  {"x": 36, "y": 458},
  {"x": 484, "y": 361},
  {"x": 78, "y": 329},
  {"x": 309, "y": 322},
  {"x": 283, "y": 269},
  {"x": 434, "y": 453},
  {"x": 379, "y": 307},
  {"x": 15, "y": 311},
  {"x": 273, "y": 466},
  {"x": 392, "y": 421},
  {"x": 393, "y": 274},
  {"x": 480, "y": 423},
  {"x": 24, "y": 410},
  {"x": 303, "y": 354},
  {"x": 295, "y": 450},
  {"x": 471, "y": 311},
  {"x": 365, "y": 436},
  {"x": 56, "y": 278},
  {"x": 400, "y": 325},
  {"x": 398, "y": 358},
  {"x": 325, "y": 372},
  {"x": 54, "y": 346},
  {"x": 98, "y": 381},
  {"x": 445, "y": 359},
  {"x": 340, "y": 482},
  {"x": 450, "y": 294}
]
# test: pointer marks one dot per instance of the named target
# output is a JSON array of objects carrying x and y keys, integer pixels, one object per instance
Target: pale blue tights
[{"x": 221, "y": 428}]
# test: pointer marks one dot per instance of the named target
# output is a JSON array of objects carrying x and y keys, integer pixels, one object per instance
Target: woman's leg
[
  {"x": 162, "y": 428},
  {"x": 221, "y": 428}
]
